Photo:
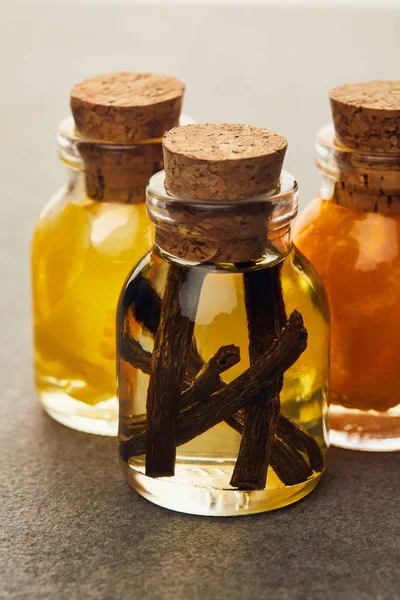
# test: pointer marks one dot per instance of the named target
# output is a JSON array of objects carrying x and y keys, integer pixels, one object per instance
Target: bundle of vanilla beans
[{"x": 187, "y": 396}]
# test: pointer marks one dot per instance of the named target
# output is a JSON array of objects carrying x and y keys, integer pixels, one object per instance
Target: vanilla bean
[
  {"x": 286, "y": 460},
  {"x": 195, "y": 361},
  {"x": 288, "y": 463},
  {"x": 147, "y": 313},
  {"x": 145, "y": 303},
  {"x": 132, "y": 351},
  {"x": 257, "y": 443},
  {"x": 205, "y": 383},
  {"x": 295, "y": 436},
  {"x": 168, "y": 367},
  {"x": 303, "y": 441},
  {"x": 266, "y": 316},
  {"x": 208, "y": 380},
  {"x": 205, "y": 414}
]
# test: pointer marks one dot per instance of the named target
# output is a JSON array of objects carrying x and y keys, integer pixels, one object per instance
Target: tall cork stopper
[
  {"x": 222, "y": 161},
  {"x": 226, "y": 163},
  {"x": 367, "y": 115},
  {"x": 126, "y": 107},
  {"x": 117, "y": 113}
]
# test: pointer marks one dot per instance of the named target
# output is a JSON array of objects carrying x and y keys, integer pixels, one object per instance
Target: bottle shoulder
[
  {"x": 341, "y": 239},
  {"x": 299, "y": 278},
  {"x": 306, "y": 281},
  {"x": 54, "y": 204},
  {"x": 309, "y": 215},
  {"x": 73, "y": 216}
]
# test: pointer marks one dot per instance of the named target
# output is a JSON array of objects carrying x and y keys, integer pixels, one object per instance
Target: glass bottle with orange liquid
[
  {"x": 89, "y": 235},
  {"x": 351, "y": 233}
]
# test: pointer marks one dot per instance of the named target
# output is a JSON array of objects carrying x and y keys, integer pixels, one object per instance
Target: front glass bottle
[
  {"x": 209, "y": 298},
  {"x": 351, "y": 233}
]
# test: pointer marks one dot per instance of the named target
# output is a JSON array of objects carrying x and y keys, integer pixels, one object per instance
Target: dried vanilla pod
[
  {"x": 292, "y": 439},
  {"x": 266, "y": 317}
]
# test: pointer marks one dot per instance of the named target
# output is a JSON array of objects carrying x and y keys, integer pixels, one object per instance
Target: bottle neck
[
  {"x": 356, "y": 180},
  {"x": 121, "y": 173},
  {"x": 111, "y": 172},
  {"x": 251, "y": 231},
  {"x": 252, "y": 251}
]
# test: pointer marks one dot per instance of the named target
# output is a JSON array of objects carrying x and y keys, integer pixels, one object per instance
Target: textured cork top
[
  {"x": 127, "y": 107},
  {"x": 367, "y": 115},
  {"x": 222, "y": 161}
]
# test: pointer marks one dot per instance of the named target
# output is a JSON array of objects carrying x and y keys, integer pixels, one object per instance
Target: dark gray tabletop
[{"x": 73, "y": 528}]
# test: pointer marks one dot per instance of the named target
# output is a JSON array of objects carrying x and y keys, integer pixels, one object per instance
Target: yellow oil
[
  {"x": 82, "y": 252},
  {"x": 204, "y": 465}
]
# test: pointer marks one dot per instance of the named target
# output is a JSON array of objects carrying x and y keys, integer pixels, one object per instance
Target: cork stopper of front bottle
[
  {"x": 367, "y": 115},
  {"x": 219, "y": 163},
  {"x": 126, "y": 107},
  {"x": 222, "y": 161}
]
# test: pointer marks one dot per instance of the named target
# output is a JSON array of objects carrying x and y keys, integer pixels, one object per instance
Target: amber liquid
[
  {"x": 204, "y": 465},
  {"x": 357, "y": 256},
  {"x": 82, "y": 253}
]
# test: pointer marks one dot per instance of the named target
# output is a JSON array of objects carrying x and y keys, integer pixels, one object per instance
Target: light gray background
[
  {"x": 70, "y": 526},
  {"x": 254, "y": 64}
]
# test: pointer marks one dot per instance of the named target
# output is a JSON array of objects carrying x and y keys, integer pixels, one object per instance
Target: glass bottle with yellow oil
[
  {"x": 223, "y": 333},
  {"x": 89, "y": 235}
]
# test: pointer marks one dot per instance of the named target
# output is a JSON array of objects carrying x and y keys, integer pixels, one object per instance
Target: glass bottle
[
  {"x": 87, "y": 238},
  {"x": 198, "y": 317},
  {"x": 351, "y": 233}
]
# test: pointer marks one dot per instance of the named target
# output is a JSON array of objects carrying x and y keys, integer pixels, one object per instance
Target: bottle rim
[
  {"x": 281, "y": 204},
  {"x": 334, "y": 158},
  {"x": 69, "y": 139}
]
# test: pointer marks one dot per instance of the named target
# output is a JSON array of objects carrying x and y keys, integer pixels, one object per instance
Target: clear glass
[
  {"x": 355, "y": 249},
  {"x": 204, "y": 464},
  {"x": 82, "y": 252}
]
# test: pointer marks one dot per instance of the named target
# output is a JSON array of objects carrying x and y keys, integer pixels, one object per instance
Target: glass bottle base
[
  {"x": 100, "y": 419},
  {"x": 365, "y": 430},
  {"x": 192, "y": 492}
]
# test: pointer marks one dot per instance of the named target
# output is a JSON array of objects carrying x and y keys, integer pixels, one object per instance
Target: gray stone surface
[{"x": 70, "y": 526}]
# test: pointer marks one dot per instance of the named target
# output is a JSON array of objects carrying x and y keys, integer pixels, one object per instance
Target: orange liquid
[{"x": 357, "y": 256}]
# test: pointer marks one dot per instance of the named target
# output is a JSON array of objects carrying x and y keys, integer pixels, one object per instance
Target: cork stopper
[
  {"x": 222, "y": 161},
  {"x": 367, "y": 115},
  {"x": 232, "y": 164},
  {"x": 350, "y": 196},
  {"x": 119, "y": 174},
  {"x": 126, "y": 107}
]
